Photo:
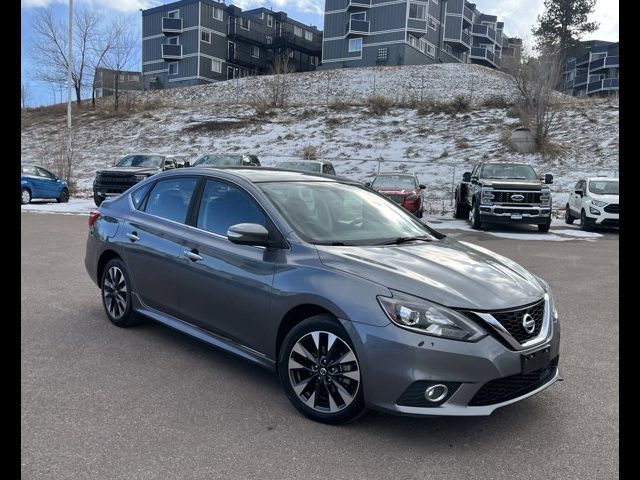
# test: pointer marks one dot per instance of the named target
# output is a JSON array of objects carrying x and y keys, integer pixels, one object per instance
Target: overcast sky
[{"x": 518, "y": 17}]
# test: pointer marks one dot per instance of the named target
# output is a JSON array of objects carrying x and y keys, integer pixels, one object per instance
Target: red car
[{"x": 402, "y": 188}]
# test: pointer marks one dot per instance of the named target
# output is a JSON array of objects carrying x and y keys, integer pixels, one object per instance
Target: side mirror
[
  {"x": 548, "y": 179},
  {"x": 169, "y": 166},
  {"x": 248, "y": 234},
  {"x": 186, "y": 163},
  {"x": 367, "y": 184},
  {"x": 579, "y": 192},
  {"x": 466, "y": 177},
  {"x": 421, "y": 187}
]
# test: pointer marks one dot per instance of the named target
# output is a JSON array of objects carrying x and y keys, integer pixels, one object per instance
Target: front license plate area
[
  {"x": 516, "y": 216},
  {"x": 536, "y": 360}
]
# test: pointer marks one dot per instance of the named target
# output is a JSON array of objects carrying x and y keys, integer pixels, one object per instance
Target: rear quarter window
[{"x": 137, "y": 196}]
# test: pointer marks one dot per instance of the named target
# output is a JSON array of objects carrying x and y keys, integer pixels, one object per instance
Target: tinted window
[
  {"x": 604, "y": 187},
  {"x": 138, "y": 195},
  {"x": 218, "y": 161},
  {"x": 170, "y": 198},
  {"x": 394, "y": 181},
  {"x": 140, "y": 161},
  {"x": 308, "y": 166},
  {"x": 224, "y": 205},
  {"x": 29, "y": 170},
  {"x": 43, "y": 173},
  {"x": 520, "y": 172}
]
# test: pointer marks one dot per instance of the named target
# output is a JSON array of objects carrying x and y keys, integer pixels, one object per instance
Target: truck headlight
[
  {"x": 545, "y": 197},
  {"x": 487, "y": 195},
  {"x": 422, "y": 316}
]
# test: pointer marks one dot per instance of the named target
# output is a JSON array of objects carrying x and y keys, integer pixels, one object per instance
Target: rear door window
[
  {"x": 29, "y": 170},
  {"x": 223, "y": 205},
  {"x": 170, "y": 198}
]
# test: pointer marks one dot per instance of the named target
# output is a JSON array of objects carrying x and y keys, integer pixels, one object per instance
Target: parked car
[
  {"x": 38, "y": 182},
  {"x": 127, "y": 172},
  {"x": 504, "y": 193},
  {"x": 317, "y": 166},
  {"x": 596, "y": 202},
  {"x": 402, "y": 188},
  {"x": 227, "y": 160},
  {"x": 354, "y": 307}
]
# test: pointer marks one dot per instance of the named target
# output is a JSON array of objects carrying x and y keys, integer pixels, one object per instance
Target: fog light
[
  {"x": 436, "y": 393},
  {"x": 594, "y": 211}
]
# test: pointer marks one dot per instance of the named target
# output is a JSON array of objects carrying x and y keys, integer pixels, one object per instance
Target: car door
[
  {"x": 226, "y": 288},
  {"x": 49, "y": 185},
  {"x": 471, "y": 186},
  {"x": 575, "y": 204},
  {"x": 35, "y": 182},
  {"x": 151, "y": 239}
]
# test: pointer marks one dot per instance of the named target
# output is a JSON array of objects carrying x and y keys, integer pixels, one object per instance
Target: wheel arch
[
  {"x": 105, "y": 257},
  {"x": 293, "y": 317}
]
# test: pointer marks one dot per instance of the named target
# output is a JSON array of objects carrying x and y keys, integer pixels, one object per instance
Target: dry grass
[
  {"x": 379, "y": 104},
  {"x": 309, "y": 152}
]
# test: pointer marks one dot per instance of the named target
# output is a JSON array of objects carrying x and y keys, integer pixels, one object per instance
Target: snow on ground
[
  {"x": 75, "y": 206},
  {"x": 438, "y": 147}
]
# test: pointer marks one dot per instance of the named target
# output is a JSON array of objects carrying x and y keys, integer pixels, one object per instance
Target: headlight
[
  {"x": 421, "y": 316},
  {"x": 140, "y": 178},
  {"x": 552, "y": 303},
  {"x": 545, "y": 197},
  {"x": 598, "y": 203},
  {"x": 487, "y": 195}
]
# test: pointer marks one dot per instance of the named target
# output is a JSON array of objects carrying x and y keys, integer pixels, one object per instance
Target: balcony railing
[
  {"x": 467, "y": 14},
  {"x": 463, "y": 40},
  {"x": 484, "y": 31},
  {"x": 358, "y": 4},
  {"x": 171, "y": 52},
  {"x": 603, "y": 84},
  {"x": 171, "y": 25},
  {"x": 580, "y": 80},
  {"x": 356, "y": 26},
  {"x": 481, "y": 53},
  {"x": 582, "y": 59}
]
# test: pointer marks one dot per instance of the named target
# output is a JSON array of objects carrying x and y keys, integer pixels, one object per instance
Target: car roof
[
  {"x": 401, "y": 174},
  {"x": 268, "y": 174},
  {"x": 608, "y": 179}
]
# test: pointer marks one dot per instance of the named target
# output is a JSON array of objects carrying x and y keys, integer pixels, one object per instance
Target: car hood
[
  {"x": 394, "y": 191},
  {"x": 606, "y": 198},
  {"x": 447, "y": 272},
  {"x": 511, "y": 184},
  {"x": 130, "y": 170}
]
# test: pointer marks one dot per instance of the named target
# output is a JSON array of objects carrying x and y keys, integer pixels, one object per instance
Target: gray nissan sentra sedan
[{"x": 350, "y": 298}]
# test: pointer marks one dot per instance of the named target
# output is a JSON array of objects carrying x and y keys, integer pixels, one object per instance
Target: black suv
[
  {"x": 504, "y": 193},
  {"x": 219, "y": 160},
  {"x": 129, "y": 171}
]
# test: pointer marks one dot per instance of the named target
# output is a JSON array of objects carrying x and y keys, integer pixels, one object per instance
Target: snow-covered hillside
[{"x": 439, "y": 147}]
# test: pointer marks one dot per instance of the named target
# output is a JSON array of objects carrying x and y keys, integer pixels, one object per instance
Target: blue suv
[{"x": 36, "y": 182}]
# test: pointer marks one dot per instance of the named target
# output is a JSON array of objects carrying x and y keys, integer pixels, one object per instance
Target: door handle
[
  {"x": 133, "y": 237},
  {"x": 192, "y": 255}
]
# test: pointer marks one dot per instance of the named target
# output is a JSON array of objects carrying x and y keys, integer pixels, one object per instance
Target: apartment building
[
  {"x": 192, "y": 42},
  {"x": 104, "y": 82},
  {"x": 360, "y": 33},
  {"x": 593, "y": 69}
]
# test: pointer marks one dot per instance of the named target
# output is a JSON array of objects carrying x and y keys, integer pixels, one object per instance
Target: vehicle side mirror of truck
[
  {"x": 422, "y": 187},
  {"x": 466, "y": 177},
  {"x": 186, "y": 163},
  {"x": 548, "y": 179}
]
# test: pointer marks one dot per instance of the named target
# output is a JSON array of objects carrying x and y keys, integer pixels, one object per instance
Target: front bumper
[
  {"x": 109, "y": 190},
  {"x": 538, "y": 215},
  {"x": 393, "y": 359},
  {"x": 603, "y": 220}
]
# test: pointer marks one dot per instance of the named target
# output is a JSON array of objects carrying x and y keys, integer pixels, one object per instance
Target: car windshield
[
  {"x": 604, "y": 187},
  {"x": 394, "y": 181},
  {"x": 153, "y": 161},
  {"x": 519, "y": 172},
  {"x": 331, "y": 213},
  {"x": 308, "y": 166},
  {"x": 218, "y": 161}
]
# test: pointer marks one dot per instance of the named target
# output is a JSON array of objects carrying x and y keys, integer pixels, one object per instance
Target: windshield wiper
[
  {"x": 337, "y": 244},
  {"x": 399, "y": 240}
]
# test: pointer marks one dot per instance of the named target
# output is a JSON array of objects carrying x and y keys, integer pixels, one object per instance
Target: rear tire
[
  {"x": 116, "y": 294},
  {"x": 568, "y": 218},
  {"x": 462, "y": 211},
  {"x": 64, "y": 196},
  {"x": 474, "y": 217},
  {"x": 25, "y": 196},
  {"x": 319, "y": 371}
]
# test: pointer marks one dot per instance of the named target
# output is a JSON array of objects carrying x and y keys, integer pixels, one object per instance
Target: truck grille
[
  {"x": 507, "y": 388},
  {"x": 512, "y": 321},
  {"x": 505, "y": 197},
  {"x": 612, "y": 208},
  {"x": 121, "y": 182}
]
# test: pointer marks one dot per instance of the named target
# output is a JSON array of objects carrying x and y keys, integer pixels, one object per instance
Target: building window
[
  {"x": 297, "y": 31},
  {"x": 217, "y": 13},
  {"x": 173, "y": 68},
  {"x": 268, "y": 39},
  {"x": 205, "y": 36},
  {"x": 269, "y": 21},
  {"x": 431, "y": 50},
  {"x": 245, "y": 23},
  {"x": 417, "y": 11},
  {"x": 432, "y": 24},
  {"x": 174, "y": 14},
  {"x": 359, "y": 16},
  {"x": 355, "y": 45},
  {"x": 413, "y": 41},
  {"x": 172, "y": 41},
  {"x": 383, "y": 54},
  {"x": 216, "y": 66},
  {"x": 308, "y": 35},
  {"x": 255, "y": 52}
]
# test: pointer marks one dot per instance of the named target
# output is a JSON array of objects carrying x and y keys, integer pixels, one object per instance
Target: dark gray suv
[{"x": 355, "y": 302}]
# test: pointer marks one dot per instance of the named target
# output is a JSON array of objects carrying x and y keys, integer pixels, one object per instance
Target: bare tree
[
  {"x": 123, "y": 51},
  {"x": 49, "y": 47},
  {"x": 25, "y": 95},
  {"x": 535, "y": 80},
  {"x": 279, "y": 84}
]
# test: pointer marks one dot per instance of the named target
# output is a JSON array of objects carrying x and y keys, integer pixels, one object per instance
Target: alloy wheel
[
  {"x": 114, "y": 290},
  {"x": 26, "y": 196},
  {"x": 324, "y": 372}
]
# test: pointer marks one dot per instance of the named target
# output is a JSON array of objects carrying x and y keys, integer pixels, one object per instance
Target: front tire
[
  {"x": 64, "y": 196},
  {"x": 116, "y": 294},
  {"x": 583, "y": 221},
  {"x": 544, "y": 228},
  {"x": 568, "y": 218},
  {"x": 474, "y": 217},
  {"x": 320, "y": 372},
  {"x": 25, "y": 196}
]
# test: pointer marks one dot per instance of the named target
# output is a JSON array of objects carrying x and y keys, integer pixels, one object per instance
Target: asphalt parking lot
[{"x": 145, "y": 403}]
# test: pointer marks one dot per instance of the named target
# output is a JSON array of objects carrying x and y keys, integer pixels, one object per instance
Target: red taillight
[{"x": 93, "y": 216}]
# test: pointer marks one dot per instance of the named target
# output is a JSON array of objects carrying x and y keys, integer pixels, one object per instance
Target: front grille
[
  {"x": 507, "y": 388},
  {"x": 120, "y": 182},
  {"x": 505, "y": 197},
  {"x": 612, "y": 208},
  {"x": 512, "y": 321},
  {"x": 396, "y": 198}
]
